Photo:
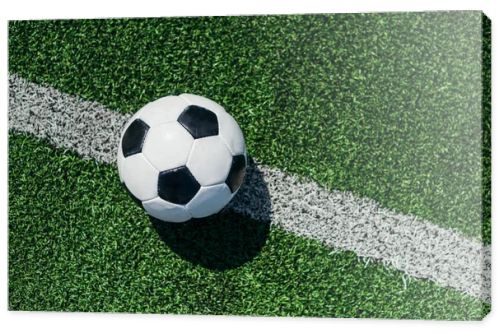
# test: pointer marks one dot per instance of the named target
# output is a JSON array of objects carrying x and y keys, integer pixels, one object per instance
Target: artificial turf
[
  {"x": 486, "y": 101},
  {"x": 385, "y": 105},
  {"x": 77, "y": 242}
]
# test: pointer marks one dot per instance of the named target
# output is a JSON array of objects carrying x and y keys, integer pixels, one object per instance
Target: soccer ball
[{"x": 182, "y": 157}]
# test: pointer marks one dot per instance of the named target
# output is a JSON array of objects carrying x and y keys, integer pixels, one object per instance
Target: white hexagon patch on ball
[{"x": 182, "y": 157}]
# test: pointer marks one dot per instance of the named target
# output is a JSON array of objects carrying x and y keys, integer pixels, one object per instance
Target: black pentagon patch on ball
[
  {"x": 133, "y": 138},
  {"x": 236, "y": 173},
  {"x": 177, "y": 185},
  {"x": 200, "y": 122}
]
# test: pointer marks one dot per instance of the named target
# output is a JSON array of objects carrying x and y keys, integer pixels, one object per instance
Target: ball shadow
[{"x": 230, "y": 238}]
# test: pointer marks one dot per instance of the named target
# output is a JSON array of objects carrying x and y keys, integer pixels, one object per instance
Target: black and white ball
[{"x": 182, "y": 157}]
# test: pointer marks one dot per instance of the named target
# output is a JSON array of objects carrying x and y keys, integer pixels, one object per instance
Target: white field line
[{"x": 339, "y": 220}]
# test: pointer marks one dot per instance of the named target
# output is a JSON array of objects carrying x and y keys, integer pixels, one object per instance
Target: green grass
[
  {"x": 486, "y": 99},
  {"x": 77, "y": 242},
  {"x": 385, "y": 105}
]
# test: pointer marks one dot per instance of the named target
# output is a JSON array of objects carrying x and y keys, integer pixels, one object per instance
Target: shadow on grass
[{"x": 229, "y": 239}]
